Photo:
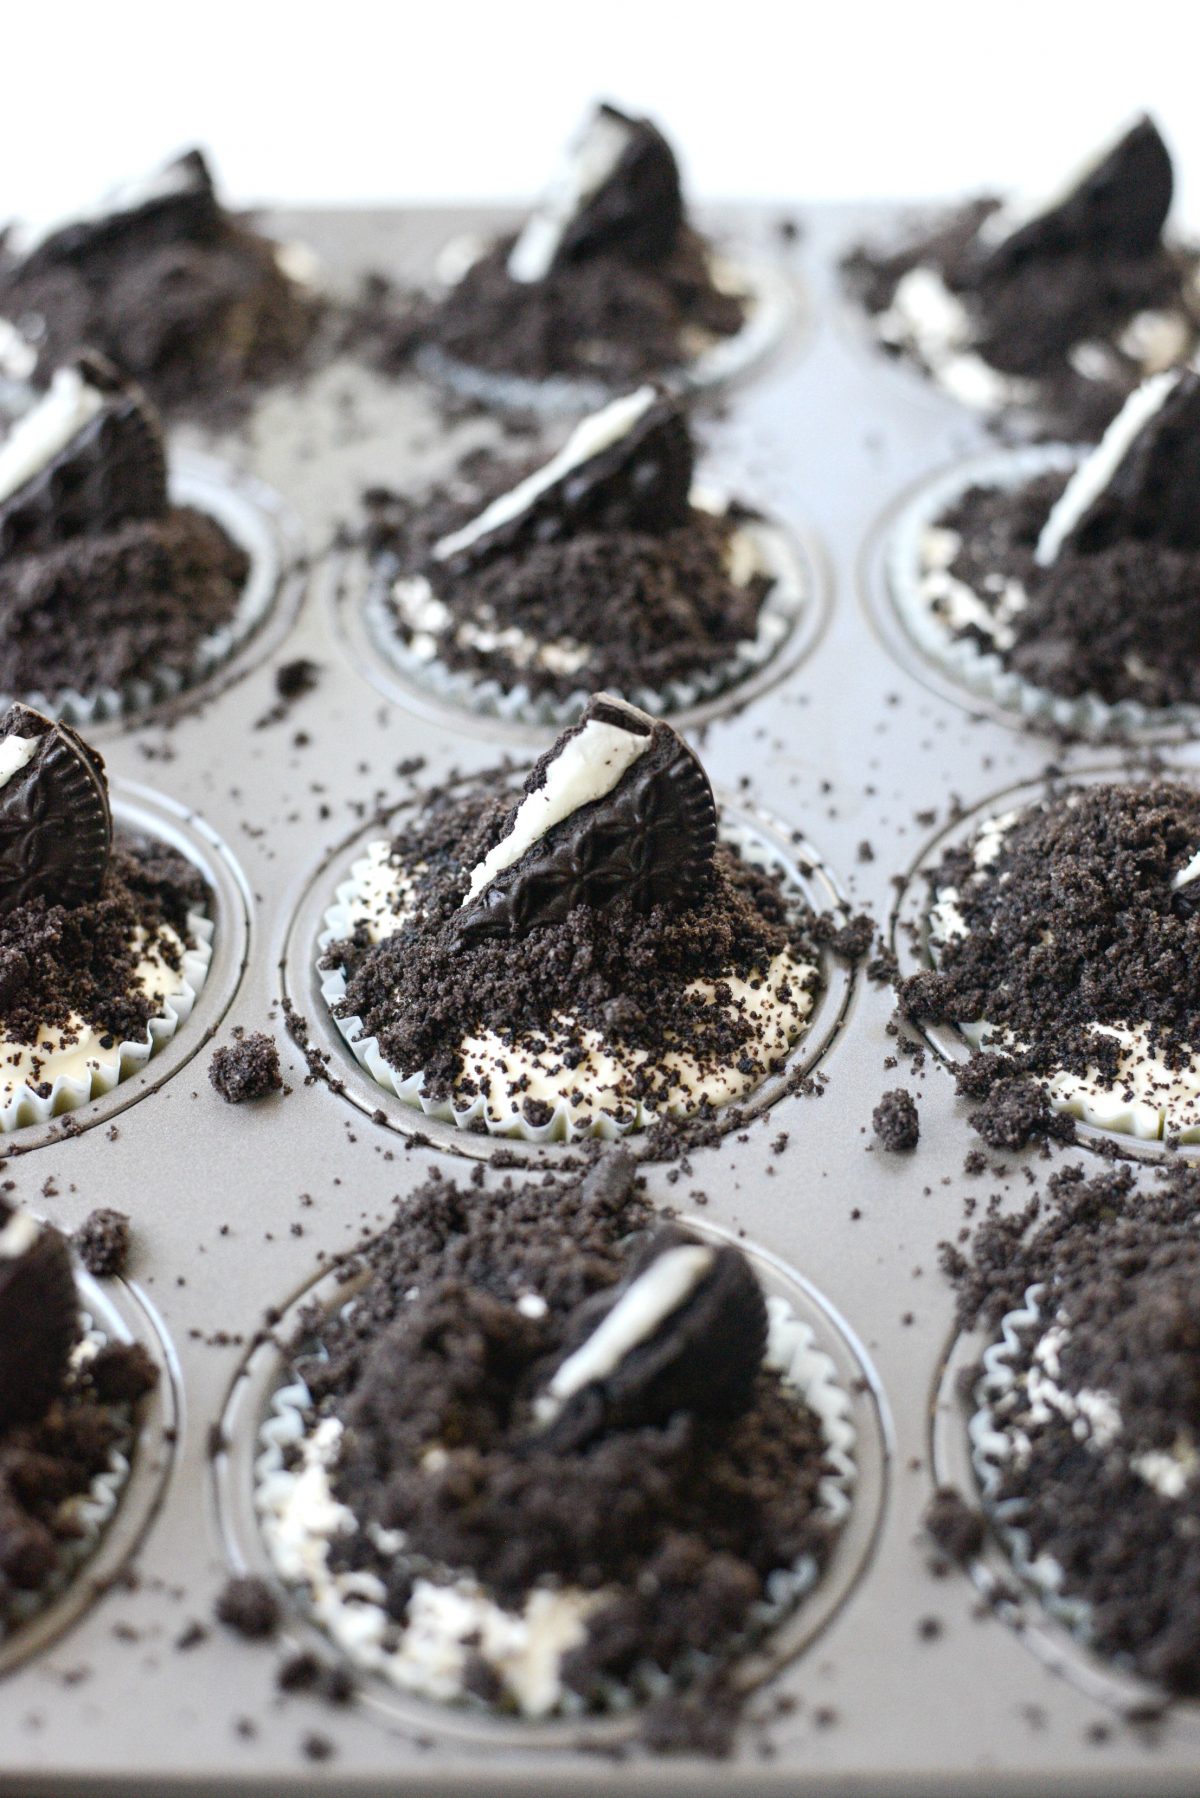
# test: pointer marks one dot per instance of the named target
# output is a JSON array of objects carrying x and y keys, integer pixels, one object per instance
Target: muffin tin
[{"x": 893, "y": 1681}]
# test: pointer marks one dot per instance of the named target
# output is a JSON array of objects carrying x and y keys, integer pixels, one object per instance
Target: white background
[{"x": 345, "y": 101}]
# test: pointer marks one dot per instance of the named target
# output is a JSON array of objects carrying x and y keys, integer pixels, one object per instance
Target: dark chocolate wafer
[
  {"x": 113, "y": 470},
  {"x": 1119, "y": 206},
  {"x": 184, "y": 207},
  {"x": 638, "y": 211},
  {"x": 652, "y": 839},
  {"x": 642, "y": 482},
  {"x": 55, "y": 822},
  {"x": 703, "y": 1357},
  {"x": 1154, "y": 491}
]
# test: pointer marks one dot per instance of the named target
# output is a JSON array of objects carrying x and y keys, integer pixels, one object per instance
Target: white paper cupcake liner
[
  {"x": 790, "y": 593},
  {"x": 982, "y": 671},
  {"x": 349, "y": 1606},
  {"x": 993, "y": 1448},
  {"x": 69, "y": 1092},
  {"x": 88, "y": 1513},
  {"x": 769, "y": 305},
  {"x": 208, "y": 487},
  {"x": 561, "y": 1126}
]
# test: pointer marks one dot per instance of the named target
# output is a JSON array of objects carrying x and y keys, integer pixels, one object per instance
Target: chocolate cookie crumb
[
  {"x": 954, "y": 1526},
  {"x": 1018, "y": 1111},
  {"x": 895, "y": 1120},
  {"x": 102, "y": 1243},
  {"x": 247, "y": 1069},
  {"x": 248, "y": 1605}
]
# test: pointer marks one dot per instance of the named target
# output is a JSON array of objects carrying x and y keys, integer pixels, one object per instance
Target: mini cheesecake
[
  {"x": 1061, "y": 307},
  {"x": 519, "y": 1367},
  {"x": 1087, "y": 1437},
  {"x": 162, "y": 279},
  {"x": 606, "y": 281},
  {"x": 604, "y": 568},
  {"x": 1068, "y": 580},
  {"x": 107, "y": 589},
  {"x": 1065, "y": 940},
  {"x": 66, "y": 1418},
  {"x": 588, "y": 959},
  {"x": 104, "y": 940}
]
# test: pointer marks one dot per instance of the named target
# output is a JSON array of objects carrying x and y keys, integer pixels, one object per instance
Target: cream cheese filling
[
  {"x": 1147, "y": 1099},
  {"x": 1094, "y": 1417},
  {"x": 929, "y": 322},
  {"x": 76, "y": 1049}
]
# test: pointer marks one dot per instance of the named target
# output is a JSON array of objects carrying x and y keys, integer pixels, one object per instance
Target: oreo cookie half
[
  {"x": 1117, "y": 206},
  {"x": 178, "y": 202},
  {"x": 627, "y": 467},
  {"x": 39, "y": 1313},
  {"x": 621, "y": 806},
  {"x": 1141, "y": 481},
  {"x": 619, "y": 191},
  {"x": 687, "y": 1331},
  {"x": 88, "y": 457},
  {"x": 55, "y": 823}
]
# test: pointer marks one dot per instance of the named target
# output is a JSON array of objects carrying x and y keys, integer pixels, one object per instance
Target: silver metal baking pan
[{"x": 852, "y": 740}]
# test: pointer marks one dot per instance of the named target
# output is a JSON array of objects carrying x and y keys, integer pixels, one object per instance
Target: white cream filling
[
  {"x": 775, "y": 1003},
  {"x": 1096, "y": 471},
  {"x": 1147, "y": 1099},
  {"x": 590, "y": 438},
  {"x": 128, "y": 196},
  {"x": 47, "y": 428},
  {"x": 18, "y": 1236},
  {"x": 653, "y": 1297},
  {"x": 587, "y": 166},
  {"x": 589, "y": 766},
  {"x": 76, "y": 1049},
  {"x": 18, "y": 358},
  {"x": 15, "y": 753}
]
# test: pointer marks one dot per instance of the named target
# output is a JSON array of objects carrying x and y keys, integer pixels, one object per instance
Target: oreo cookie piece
[
  {"x": 1117, "y": 207},
  {"x": 687, "y": 1331},
  {"x": 55, "y": 823},
  {"x": 621, "y": 806},
  {"x": 178, "y": 202},
  {"x": 627, "y": 467},
  {"x": 618, "y": 192},
  {"x": 88, "y": 457},
  {"x": 39, "y": 1312},
  {"x": 1142, "y": 481}
]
